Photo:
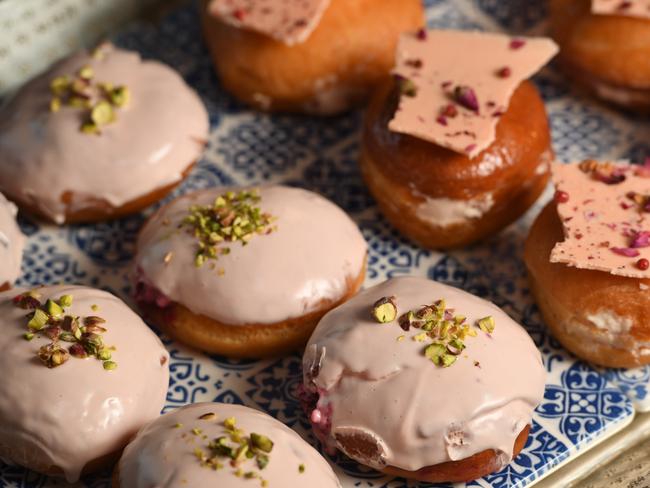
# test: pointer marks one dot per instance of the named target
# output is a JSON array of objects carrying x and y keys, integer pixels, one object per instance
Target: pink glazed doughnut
[
  {"x": 85, "y": 374},
  {"x": 422, "y": 380}
]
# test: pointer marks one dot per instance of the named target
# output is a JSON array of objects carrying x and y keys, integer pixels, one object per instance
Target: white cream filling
[
  {"x": 444, "y": 212},
  {"x": 610, "y": 322}
]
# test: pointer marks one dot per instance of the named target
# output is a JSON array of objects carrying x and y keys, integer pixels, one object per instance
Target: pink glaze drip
[
  {"x": 605, "y": 228},
  {"x": 155, "y": 138},
  {"x": 162, "y": 454},
  {"x": 628, "y": 8},
  {"x": 12, "y": 242},
  {"x": 475, "y": 88},
  {"x": 312, "y": 255},
  {"x": 288, "y": 21},
  {"x": 75, "y": 413},
  {"x": 419, "y": 414}
]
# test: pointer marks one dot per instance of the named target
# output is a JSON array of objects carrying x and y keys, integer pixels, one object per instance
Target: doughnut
[
  {"x": 605, "y": 54},
  {"x": 415, "y": 388},
  {"x": 99, "y": 135},
  {"x": 298, "y": 256},
  {"x": 205, "y": 444},
  {"x": 12, "y": 243},
  {"x": 86, "y": 375},
  {"x": 325, "y": 67},
  {"x": 599, "y": 316},
  {"x": 435, "y": 193}
]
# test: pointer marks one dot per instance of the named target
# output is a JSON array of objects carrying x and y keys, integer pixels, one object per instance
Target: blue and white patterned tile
[{"x": 582, "y": 405}]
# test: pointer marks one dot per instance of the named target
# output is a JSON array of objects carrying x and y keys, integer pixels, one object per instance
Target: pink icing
[
  {"x": 367, "y": 382},
  {"x": 162, "y": 454},
  {"x": 312, "y": 255},
  {"x": 288, "y": 21},
  {"x": 12, "y": 242},
  {"x": 605, "y": 228},
  {"x": 77, "y": 412},
  {"x": 462, "y": 83},
  {"x": 630, "y": 8},
  {"x": 155, "y": 138}
]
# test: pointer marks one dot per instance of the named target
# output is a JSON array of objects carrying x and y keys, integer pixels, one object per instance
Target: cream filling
[
  {"x": 610, "y": 322},
  {"x": 445, "y": 212}
]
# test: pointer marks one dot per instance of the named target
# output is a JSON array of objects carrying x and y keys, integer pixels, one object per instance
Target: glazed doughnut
[
  {"x": 345, "y": 53},
  {"x": 303, "y": 257},
  {"x": 99, "y": 135},
  {"x": 416, "y": 388},
  {"x": 175, "y": 450},
  {"x": 12, "y": 243},
  {"x": 86, "y": 374},
  {"x": 442, "y": 198},
  {"x": 599, "y": 316},
  {"x": 604, "y": 54}
]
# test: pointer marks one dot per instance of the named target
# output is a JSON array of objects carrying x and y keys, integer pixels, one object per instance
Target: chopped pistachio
[
  {"x": 229, "y": 423},
  {"x": 52, "y": 355},
  {"x": 262, "y": 442},
  {"x": 236, "y": 220},
  {"x": 53, "y": 309},
  {"x": 89, "y": 128},
  {"x": 486, "y": 324},
  {"x": 65, "y": 300},
  {"x": 120, "y": 96},
  {"x": 435, "y": 352},
  {"x": 104, "y": 354},
  {"x": 301, "y": 468},
  {"x": 178, "y": 426},
  {"x": 102, "y": 113},
  {"x": 59, "y": 85},
  {"x": 38, "y": 320},
  {"x": 55, "y": 104},
  {"x": 109, "y": 365},
  {"x": 28, "y": 336},
  {"x": 421, "y": 337},
  {"x": 86, "y": 73},
  {"x": 94, "y": 307},
  {"x": 208, "y": 416},
  {"x": 384, "y": 310}
]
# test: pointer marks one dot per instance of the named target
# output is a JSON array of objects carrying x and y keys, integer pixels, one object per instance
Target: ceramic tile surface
[{"x": 581, "y": 405}]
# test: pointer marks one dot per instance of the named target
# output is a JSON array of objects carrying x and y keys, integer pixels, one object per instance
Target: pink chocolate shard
[
  {"x": 288, "y": 21},
  {"x": 630, "y": 8},
  {"x": 475, "y": 72},
  {"x": 605, "y": 215}
]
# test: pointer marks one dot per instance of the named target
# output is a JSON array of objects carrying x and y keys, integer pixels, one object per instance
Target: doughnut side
[
  {"x": 599, "y": 317},
  {"x": 236, "y": 341},
  {"x": 607, "y": 55},
  {"x": 350, "y": 50}
]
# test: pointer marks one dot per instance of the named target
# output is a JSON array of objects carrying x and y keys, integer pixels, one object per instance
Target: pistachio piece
[
  {"x": 65, "y": 300},
  {"x": 486, "y": 324},
  {"x": 301, "y": 468},
  {"x": 261, "y": 442},
  {"x": 86, "y": 73},
  {"x": 120, "y": 96},
  {"x": 53, "y": 309},
  {"x": 102, "y": 113},
  {"x": 435, "y": 352},
  {"x": 384, "y": 310},
  {"x": 109, "y": 365},
  {"x": 208, "y": 416},
  {"x": 52, "y": 355},
  {"x": 38, "y": 320}
]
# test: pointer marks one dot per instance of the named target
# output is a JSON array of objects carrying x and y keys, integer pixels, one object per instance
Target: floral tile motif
[{"x": 581, "y": 404}]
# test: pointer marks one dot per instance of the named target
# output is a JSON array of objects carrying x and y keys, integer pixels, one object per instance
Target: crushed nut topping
[
  {"x": 437, "y": 324},
  {"x": 98, "y": 100},
  {"x": 51, "y": 321},
  {"x": 235, "y": 448},
  {"x": 234, "y": 216}
]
